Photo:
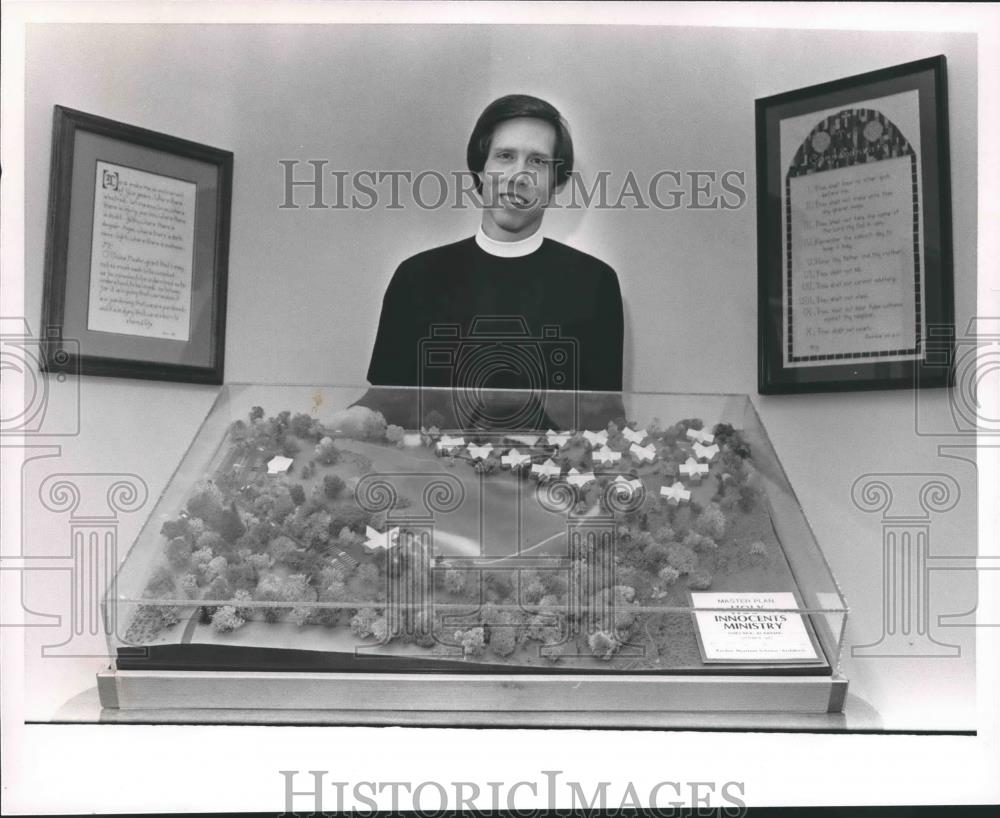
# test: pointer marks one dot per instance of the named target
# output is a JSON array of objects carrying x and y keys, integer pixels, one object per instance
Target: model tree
[
  {"x": 602, "y": 644},
  {"x": 503, "y": 633},
  {"x": 472, "y": 642},
  {"x": 226, "y": 620},
  {"x": 326, "y": 452},
  {"x": 305, "y": 427},
  {"x": 332, "y": 486}
]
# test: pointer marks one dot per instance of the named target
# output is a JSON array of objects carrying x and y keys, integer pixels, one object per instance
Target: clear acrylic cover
[{"x": 321, "y": 528}]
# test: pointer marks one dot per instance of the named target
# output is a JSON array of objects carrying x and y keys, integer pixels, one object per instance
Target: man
[{"x": 454, "y": 316}]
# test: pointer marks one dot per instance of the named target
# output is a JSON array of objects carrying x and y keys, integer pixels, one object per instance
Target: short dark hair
[{"x": 514, "y": 106}]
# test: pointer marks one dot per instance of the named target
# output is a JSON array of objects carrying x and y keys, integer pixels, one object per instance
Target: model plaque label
[{"x": 752, "y": 628}]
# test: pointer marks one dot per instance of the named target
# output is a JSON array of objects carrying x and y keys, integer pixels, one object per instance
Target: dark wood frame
[
  {"x": 73, "y": 356},
  {"x": 934, "y": 369}
]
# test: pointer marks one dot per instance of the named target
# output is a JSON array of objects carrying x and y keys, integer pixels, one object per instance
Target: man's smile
[{"x": 516, "y": 200}]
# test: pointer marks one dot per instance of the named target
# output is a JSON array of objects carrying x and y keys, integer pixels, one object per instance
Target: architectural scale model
[{"x": 357, "y": 543}]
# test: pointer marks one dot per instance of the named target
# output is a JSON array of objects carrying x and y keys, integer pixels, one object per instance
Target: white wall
[{"x": 305, "y": 285}]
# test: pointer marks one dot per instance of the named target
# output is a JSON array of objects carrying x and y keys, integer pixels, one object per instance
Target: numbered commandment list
[
  {"x": 852, "y": 280},
  {"x": 142, "y": 254}
]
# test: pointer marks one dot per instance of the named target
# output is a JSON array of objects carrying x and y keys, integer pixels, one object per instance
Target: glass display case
[{"x": 407, "y": 550}]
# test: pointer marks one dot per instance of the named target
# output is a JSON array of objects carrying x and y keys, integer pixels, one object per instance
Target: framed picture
[
  {"x": 854, "y": 261},
  {"x": 137, "y": 252}
]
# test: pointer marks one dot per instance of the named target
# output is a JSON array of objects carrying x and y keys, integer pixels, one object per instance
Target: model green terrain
[{"x": 381, "y": 542}]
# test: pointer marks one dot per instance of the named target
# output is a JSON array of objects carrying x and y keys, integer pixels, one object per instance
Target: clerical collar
[{"x": 509, "y": 249}]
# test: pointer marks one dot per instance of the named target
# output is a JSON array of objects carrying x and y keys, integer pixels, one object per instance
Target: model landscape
[{"x": 572, "y": 549}]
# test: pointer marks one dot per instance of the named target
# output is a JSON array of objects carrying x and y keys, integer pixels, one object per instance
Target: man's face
[{"x": 517, "y": 178}]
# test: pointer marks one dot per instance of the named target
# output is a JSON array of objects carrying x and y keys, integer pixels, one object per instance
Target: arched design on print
[{"x": 850, "y": 137}]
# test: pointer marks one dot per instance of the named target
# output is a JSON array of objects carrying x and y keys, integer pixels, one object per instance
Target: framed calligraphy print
[
  {"x": 855, "y": 286},
  {"x": 137, "y": 252}
]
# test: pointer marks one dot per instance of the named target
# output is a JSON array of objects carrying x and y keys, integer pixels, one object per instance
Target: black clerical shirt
[{"x": 458, "y": 316}]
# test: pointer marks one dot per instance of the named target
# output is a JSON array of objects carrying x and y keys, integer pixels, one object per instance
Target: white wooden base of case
[{"x": 431, "y": 698}]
